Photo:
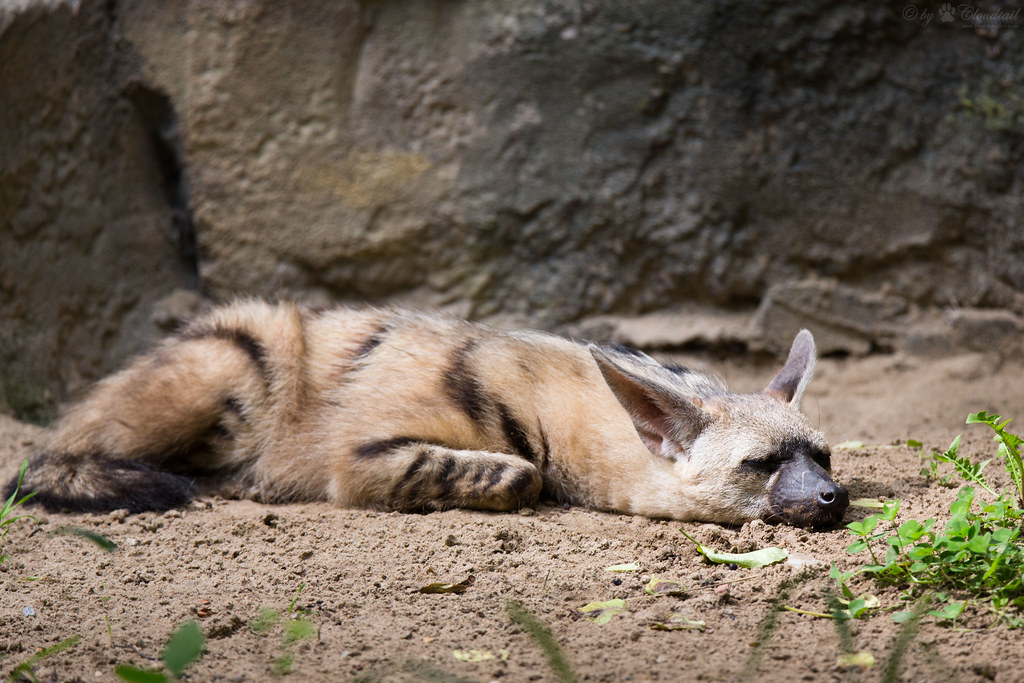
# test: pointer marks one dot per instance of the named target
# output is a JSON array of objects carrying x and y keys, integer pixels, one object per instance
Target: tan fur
[{"x": 395, "y": 409}]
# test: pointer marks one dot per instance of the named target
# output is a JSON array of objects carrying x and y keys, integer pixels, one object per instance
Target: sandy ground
[{"x": 247, "y": 572}]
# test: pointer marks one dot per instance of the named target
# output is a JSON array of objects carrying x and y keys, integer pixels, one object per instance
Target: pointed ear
[
  {"x": 666, "y": 420},
  {"x": 788, "y": 386}
]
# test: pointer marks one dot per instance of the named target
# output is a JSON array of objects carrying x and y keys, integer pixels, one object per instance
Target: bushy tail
[{"x": 99, "y": 483}]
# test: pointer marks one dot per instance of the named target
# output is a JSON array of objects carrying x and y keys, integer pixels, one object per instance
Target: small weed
[
  {"x": 976, "y": 558},
  {"x": 265, "y": 620},
  {"x": 13, "y": 502},
  {"x": 25, "y": 668},
  {"x": 183, "y": 648},
  {"x": 294, "y": 628}
]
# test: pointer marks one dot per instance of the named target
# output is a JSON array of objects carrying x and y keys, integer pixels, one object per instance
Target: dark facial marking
[
  {"x": 787, "y": 451},
  {"x": 374, "y": 449},
  {"x": 372, "y": 342},
  {"x": 791, "y": 448},
  {"x": 462, "y": 387},
  {"x": 516, "y": 434}
]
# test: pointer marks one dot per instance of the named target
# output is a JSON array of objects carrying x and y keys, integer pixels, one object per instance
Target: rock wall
[
  {"x": 847, "y": 167},
  {"x": 89, "y": 240}
]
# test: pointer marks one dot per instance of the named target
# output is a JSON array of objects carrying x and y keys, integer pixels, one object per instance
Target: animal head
[{"x": 738, "y": 456}]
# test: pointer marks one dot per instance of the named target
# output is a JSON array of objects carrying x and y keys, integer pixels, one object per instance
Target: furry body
[{"x": 394, "y": 409}]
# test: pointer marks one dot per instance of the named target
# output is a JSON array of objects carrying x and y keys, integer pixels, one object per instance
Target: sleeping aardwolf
[{"x": 392, "y": 409}]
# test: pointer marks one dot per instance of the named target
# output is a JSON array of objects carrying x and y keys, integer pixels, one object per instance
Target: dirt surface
[{"x": 246, "y": 572}]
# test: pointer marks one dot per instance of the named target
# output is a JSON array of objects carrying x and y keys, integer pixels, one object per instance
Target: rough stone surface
[
  {"x": 844, "y": 320},
  {"x": 559, "y": 159},
  {"x": 537, "y": 160},
  {"x": 87, "y": 231}
]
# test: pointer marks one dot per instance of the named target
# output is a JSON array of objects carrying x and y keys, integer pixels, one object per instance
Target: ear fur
[
  {"x": 788, "y": 386},
  {"x": 666, "y": 419}
]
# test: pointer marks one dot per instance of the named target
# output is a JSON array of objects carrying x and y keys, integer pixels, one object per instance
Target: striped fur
[{"x": 394, "y": 409}]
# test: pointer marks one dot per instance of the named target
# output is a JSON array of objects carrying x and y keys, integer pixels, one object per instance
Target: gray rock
[
  {"x": 88, "y": 233},
  {"x": 530, "y": 160},
  {"x": 844, "y": 320}
]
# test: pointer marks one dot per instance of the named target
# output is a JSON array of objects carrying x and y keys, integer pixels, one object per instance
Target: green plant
[
  {"x": 11, "y": 503},
  {"x": 183, "y": 648},
  {"x": 1008, "y": 450},
  {"x": 24, "y": 669},
  {"x": 294, "y": 628},
  {"x": 976, "y": 558}
]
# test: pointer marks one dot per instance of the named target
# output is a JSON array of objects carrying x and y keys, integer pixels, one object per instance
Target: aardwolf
[{"x": 394, "y": 409}]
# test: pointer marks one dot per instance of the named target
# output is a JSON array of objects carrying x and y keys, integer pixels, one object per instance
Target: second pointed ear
[
  {"x": 790, "y": 383},
  {"x": 666, "y": 420}
]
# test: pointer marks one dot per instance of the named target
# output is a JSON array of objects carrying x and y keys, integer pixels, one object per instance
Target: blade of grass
[
  {"x": 542, "y": 634},
  {"x": 99, "y": 539},
  {"x": 901, "y": 641},
  {"x": 26, "y": 666}
]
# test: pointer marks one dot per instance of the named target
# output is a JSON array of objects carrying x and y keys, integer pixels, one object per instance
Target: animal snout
[{"x": 833, "y": 497}]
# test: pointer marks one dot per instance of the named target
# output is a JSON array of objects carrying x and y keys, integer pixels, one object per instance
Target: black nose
[{"x": 832, "y": 496}]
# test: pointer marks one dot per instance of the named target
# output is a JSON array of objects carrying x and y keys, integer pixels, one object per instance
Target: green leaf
[
  {"x": 658, "y": 586},
  {"x": 979, "y": 544},
  {"x": 859, "y": 606},
  {"x": 630, "y": 567},
  {"x": 757, "y": 558},
  {"x": 865, "y": 527},
  {"x": 849, "y": 446},
  {"x": 862, "y": 659},
  {"x": 856, "y": 547},
  {"x": 867, "y": 503},
  {"x": 678, "y": 622},
  {"x": 983, "y": 417},
  {"x": 183, "y": 648},
  {"x": 889, "y": 510},
  {"x": 135, "y": 675},
  {"x": 950, "y": 611},
  {"x": 602, "y": 612},
  {"x": 901, "y": 617},
  {"x": 476, "y": 656}
]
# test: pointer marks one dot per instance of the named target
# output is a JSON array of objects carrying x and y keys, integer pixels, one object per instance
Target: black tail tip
[{"x": 103, "y": 484}]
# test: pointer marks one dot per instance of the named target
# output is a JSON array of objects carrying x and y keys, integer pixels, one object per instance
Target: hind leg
[
  {"x": 408, "y": 475},
  {"x": 149, "y": 415}
]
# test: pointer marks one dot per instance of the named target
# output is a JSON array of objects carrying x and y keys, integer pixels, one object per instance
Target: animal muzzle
[{"x": 807, "y": 497}]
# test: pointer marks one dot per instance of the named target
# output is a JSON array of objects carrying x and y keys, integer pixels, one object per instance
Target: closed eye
[{"x": 760, "y": 466}]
